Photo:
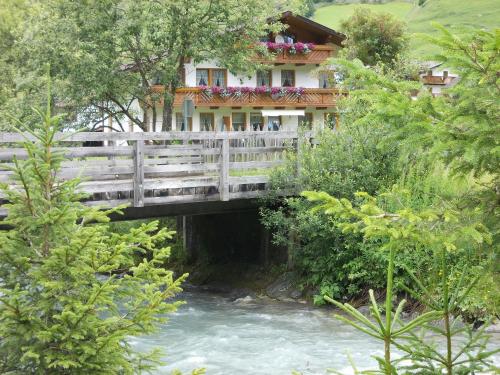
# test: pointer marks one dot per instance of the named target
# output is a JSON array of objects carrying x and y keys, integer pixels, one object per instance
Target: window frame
[
  {"x": 334, "y": 115},
  {"x": 212, "y": 116},
  {"x": 244, "y": 120},
  {"x": 210, "y": 76},
  {"x": 293, "y": 77},
  {"x": 179, "y": 118},
  {"x": 261, "y": 127},
  {"x": 329, "y": 79},
  {"x": 269, "y": 124},
  {"x": 308, "y": 118},
  {"x": 269, "y": 76}
]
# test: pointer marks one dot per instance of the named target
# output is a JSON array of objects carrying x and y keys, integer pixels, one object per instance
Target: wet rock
[
  {"x": 295, "y": 294},
  {"x": 284, "y": 288},
  {"x": 280, "y": 287}
]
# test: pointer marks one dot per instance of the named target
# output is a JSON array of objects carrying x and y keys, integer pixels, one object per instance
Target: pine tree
[{"x": 70, "y": 291}]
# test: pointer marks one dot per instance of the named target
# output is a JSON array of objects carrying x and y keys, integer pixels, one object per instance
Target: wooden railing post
[
  {"x": 224, "y": 171},
  {"x": 139, "y": 173}
]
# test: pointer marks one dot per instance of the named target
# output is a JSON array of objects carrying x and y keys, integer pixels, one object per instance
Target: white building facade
[{"x": 289, "y": 93}]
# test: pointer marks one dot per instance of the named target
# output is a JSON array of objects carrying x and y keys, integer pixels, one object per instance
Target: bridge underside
[{"x": 187, "y": 209}]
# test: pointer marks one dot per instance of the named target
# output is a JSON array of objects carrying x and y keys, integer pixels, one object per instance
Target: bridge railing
[{"x": 162, "y": 168}]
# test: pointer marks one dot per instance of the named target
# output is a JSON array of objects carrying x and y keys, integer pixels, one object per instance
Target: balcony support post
[{"x": 224, "y": 171}]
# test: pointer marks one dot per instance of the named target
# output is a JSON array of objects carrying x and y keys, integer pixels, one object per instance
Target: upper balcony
[
  {"x": 257, "y": 97},
  {"x": 297, "y": 53}
]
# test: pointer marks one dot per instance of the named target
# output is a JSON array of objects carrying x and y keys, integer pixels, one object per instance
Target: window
[
  {"x": 219, "y": 77},
  {"x": 207, "y": 122},
  {"x": 287, "y": 78},
  {"x": 273, "y": 123},
  {"x": 264, "y": 78},
  {"x": 239, "y": 121},
  {"x": 331, "y": 120},
  {"x": 256, "y": 121},
  {"x": 202, "y": 77},
  {"x": 179, "y": 122},
  {"x": 211, "y": 77},
  {"x": 306, "y": 121},
  {"x": 326, "y": 80},
  {"x": 285, "y": 38}
]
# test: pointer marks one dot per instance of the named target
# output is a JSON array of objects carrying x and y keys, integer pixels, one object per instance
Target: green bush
[{"x": 327, "y": 259}]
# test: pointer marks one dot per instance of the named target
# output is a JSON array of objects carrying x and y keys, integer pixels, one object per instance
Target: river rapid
[{"x": 254, "y": 336}]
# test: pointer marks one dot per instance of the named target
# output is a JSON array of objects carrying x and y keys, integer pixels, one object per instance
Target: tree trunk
[
  {"x": 145, "y": 119},
  {"x": 169, "y": 96},
  {"x": 153, "y": 127}
]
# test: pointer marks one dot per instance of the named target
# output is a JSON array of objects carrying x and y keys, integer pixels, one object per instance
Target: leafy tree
[
  {"x": 105, "y": 56},
  {"x": 374, "y": 37},
  {"x": 70, "y": 292},
  {"x": 308, "y": 8},
  {"x": 12, "y": 14}
]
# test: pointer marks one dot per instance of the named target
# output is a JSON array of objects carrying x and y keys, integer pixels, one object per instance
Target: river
[{"x": 258, "y": 337}]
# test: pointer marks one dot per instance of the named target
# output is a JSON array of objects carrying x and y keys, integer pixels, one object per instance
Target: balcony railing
[
  {"x": 317, "y": 56},
  {"x": 308, "y": 98}
]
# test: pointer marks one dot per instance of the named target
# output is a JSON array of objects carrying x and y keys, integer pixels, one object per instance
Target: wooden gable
[{"x": 308, "y": 31}]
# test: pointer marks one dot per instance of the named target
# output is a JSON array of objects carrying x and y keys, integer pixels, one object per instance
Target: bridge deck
[{"x": 144, "y": 169}]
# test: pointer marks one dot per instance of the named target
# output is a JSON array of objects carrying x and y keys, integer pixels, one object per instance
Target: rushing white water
[{"x": 257, "y": 337}]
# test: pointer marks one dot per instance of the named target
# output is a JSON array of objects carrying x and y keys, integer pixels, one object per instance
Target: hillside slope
[
  {"x": 333, "y": 15},
  {"x": 453, "y": 14}
]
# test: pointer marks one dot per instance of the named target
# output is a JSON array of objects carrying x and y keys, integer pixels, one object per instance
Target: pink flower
[
  {"x": 293, "y": 48},
  {"x": 261, "y": 90},
  {"x": 275, "y": 90}
]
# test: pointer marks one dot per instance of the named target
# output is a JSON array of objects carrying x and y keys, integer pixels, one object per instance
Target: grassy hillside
[
  {"x": 333, "y": 15},
  {"x": 453, "y": 14}
]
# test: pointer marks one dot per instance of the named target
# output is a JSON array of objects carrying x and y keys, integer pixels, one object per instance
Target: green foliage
[
  {"x": 443, "y": 208},
  {"x": 468, "y": 138},
  {"x": 374, "y": 37},
  {"x": 71, "y": 291},
  {"x": 459, "y": 129},
  {"x": 105, "y": 56},
  {"x": 441, "y": 230},
  {"x": 442, "y": 151},
  {"x": 327, "y": 259}
]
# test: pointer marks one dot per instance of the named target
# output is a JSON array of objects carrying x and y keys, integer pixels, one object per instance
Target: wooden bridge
[{"x": 164, "y": 169}]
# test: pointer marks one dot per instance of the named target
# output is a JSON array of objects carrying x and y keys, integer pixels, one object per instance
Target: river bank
[{"x": 238, "y": 280}]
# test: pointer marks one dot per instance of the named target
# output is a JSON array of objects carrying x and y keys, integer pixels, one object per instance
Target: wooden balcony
[
  {"x": 318, "y": 55},
  {"x": 310, "y": 98}
]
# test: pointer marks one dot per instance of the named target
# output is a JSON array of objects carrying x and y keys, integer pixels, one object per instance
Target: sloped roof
[{"x": 306, "y": 28}]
